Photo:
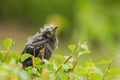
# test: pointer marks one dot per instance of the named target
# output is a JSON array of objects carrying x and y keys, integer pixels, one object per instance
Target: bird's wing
[{"x": 34, "y": 47}]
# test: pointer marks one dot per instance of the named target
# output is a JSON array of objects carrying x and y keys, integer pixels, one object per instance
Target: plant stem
[
  {"x": 74, "y": 65},
  {"x": 108, "y": 67},
  {"x": 33, "y": 59},
  {"x": 18, "y": 52},
  {"x": 74, "y": 51},
  {"x": 43, "y": 51},
  {"x": 64, "y": 63},
  {"x": 106, "y": 71},
  {"x": 73, "y": 68},
  {"x": 33, "y": 62},
  {"x": 6, "y": 55}
]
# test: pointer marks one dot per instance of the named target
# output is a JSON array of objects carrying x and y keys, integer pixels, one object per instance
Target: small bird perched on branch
[{"x": 46, "y": 40}]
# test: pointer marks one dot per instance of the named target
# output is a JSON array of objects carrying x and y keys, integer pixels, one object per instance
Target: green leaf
[
  {"x": 34, "y": 70},
  {"x": 45, "y": 61},
  {"x": 115, "y": 71},
  {"x": 36, "y": 78},
  {"x": 89, "y": 64},
  {"x": 84, "y": 52},
  {"x": 29, "y": 69},
  {"x": 41, "y": 51},
  {"x": 66, "y": 57},
  {"x": 25, "y": 56},
  {"x": 80, "y": 78},
  {"x": 104, "y": 62},
  {"x": 24, "y": 75},
  {"x": 7, "y": 43},
  {"x": 72, "y": 47},
  {"x": 37, "y": 61},
  {"x": 55, "y": 66},
  {"x": 84, "y": 46},
  {"x": 71, "y": 75},
  {"x": 98, "y": 70},
  {"x": 64, "y": 66}
]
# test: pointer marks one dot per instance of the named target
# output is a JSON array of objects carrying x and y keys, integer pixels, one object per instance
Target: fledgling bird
[{"x": 45, "y": 40}]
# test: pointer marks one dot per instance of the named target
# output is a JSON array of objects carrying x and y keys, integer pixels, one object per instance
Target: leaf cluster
[{"x": 60, "y": 68}]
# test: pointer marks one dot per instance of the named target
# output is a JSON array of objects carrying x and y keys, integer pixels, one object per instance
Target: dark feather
[{"x": 46, "y": 40}]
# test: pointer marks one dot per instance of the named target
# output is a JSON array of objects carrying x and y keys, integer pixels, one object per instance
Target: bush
[{"x": 58, "y": 68}]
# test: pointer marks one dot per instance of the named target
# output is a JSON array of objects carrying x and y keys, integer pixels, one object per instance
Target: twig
[
  {"x": 106, "y": 71},
  {"x": 73, "y": 68},
  {"x": 33, "y": 62},
  {"x": 33, "y": 59},
  {"x": 42, "y": 53},
  {"x": 7, "y": 52},
  {"x": 18, "y": 52},
  {"x": 108, "y": 67},
  {"x": 6, "y": 55},
  {"x": 74, "y": 65},
  {"x": 86, "y": 76},
  {"x": 68, "y": 78},
  {"x": 64, "y": 63},
  {"x": 70, "y": 55}
]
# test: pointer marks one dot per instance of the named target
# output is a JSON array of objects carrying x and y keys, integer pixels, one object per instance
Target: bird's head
[{"x": 49, "y": 31}]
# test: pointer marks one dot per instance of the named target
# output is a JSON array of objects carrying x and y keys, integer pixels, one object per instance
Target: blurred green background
[{"x": 97, "y": 20}]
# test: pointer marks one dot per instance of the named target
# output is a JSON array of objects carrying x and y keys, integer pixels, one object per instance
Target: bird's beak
[
  {"x": 55, "y": 27},
  {"x": 54, "y": 31}
]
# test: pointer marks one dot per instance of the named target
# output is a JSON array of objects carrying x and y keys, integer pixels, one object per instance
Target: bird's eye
[
  {"x": 49, "y": 31},
  {"x": 49, "y": 34}
]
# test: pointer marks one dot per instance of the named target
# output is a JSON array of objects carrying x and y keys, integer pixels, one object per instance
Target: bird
[{"x": 43, "y": 42}]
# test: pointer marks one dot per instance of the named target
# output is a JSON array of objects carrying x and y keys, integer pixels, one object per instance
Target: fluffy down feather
[{"x": 46, "y": 39}]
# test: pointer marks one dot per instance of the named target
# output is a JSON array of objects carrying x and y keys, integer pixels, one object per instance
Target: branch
[
  {"x": 106, "y": 71},
  {"x": 73, "y": 68},
  {"x": 74, "y": 51},
  {"x": 64, "y": 63},
  {"x": 18, "y": 52},
  {"x": 74, "y": 65}
]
